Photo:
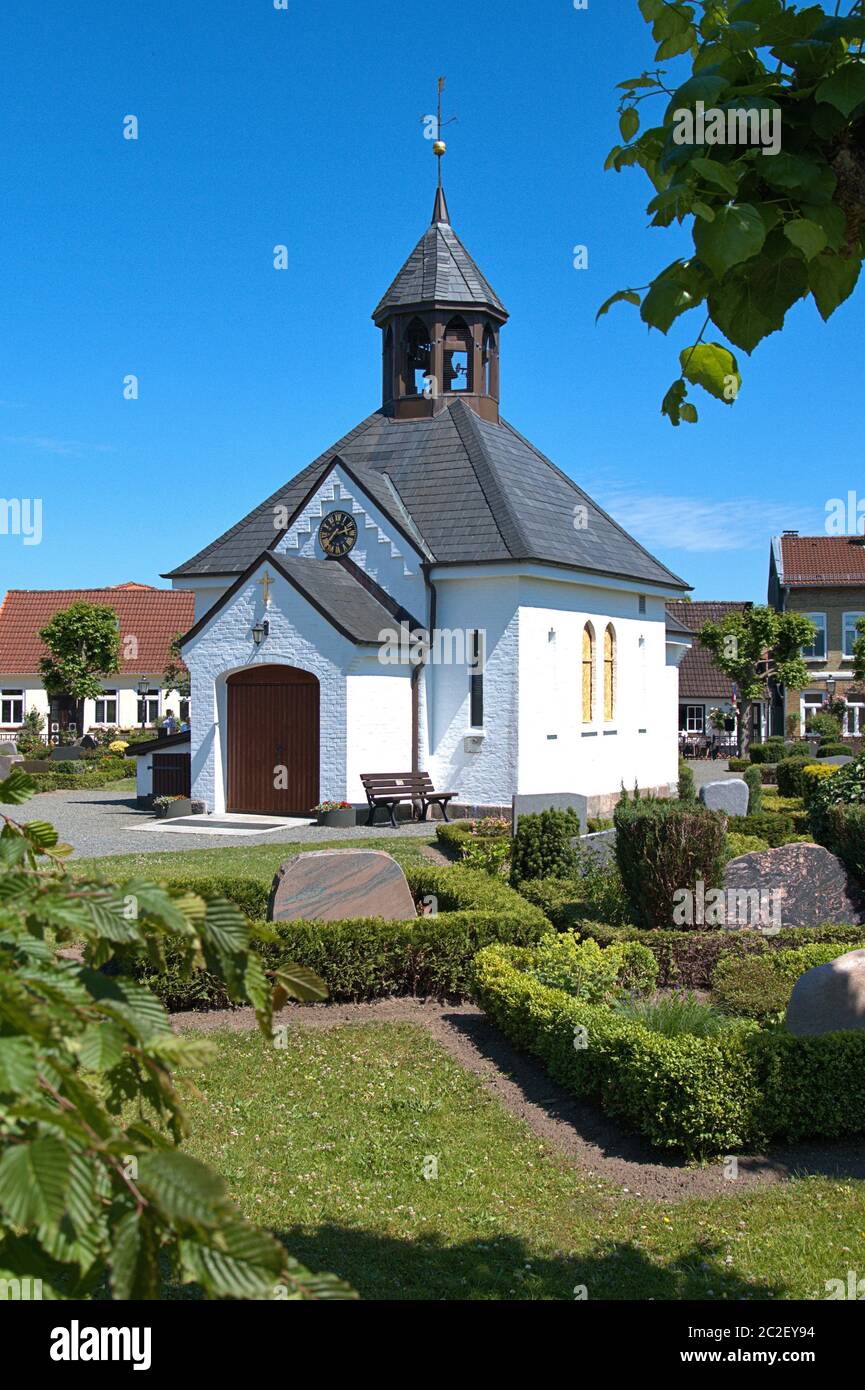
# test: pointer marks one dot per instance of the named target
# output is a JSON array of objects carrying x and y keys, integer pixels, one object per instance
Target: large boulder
[
  {"x": 330, "y": 885},
  {"x": 730, "y": 796},
  {"x": 799, "y": 885},
  {"x": 830, "y": 998}
]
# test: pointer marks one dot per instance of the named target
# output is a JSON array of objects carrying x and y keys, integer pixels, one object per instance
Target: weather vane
[{"x": 439, "y": 145}]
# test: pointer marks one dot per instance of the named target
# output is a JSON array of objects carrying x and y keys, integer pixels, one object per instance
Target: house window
[
  {"x": 148, "y": 708},
  {"x": 476, "y": 679},
  {"x": 812, "y": 703},
  {"x": 854, "y": 720},
  {"x": 609, "y": 673},
  {"x": 642, "y": 603},
  {"x": 588, "y": 674},
  {"x": 817, "y": 649},
  {"x": 12, "y": 707},
  {"x": 850, "y": 633},
  {"x": 184, "y": 711},
  {"x": 692, "y": 719},
  {"x": 106, "y": 708}
]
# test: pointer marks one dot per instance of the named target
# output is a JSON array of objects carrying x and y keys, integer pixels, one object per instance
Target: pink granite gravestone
[{"x": 329, "y": 885}]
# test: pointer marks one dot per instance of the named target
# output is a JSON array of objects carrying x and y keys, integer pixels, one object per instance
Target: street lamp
[{"x": 143, "y": 687}]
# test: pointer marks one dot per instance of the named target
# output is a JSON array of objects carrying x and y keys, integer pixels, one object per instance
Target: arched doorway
[{"x": 273, "y": 751}]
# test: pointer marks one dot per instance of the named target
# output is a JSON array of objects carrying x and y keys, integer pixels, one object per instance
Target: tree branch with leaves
[{"x": 771, "y": 225}]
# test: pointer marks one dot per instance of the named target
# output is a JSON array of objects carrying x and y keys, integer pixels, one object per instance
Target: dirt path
[{"x": 577, "y": 1129}]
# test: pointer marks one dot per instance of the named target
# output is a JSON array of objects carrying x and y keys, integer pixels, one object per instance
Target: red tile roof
[
  {"x": 152, "y": 616},
  {"x": 699, "y": 677},
  {"x": 823, "y": 560}
]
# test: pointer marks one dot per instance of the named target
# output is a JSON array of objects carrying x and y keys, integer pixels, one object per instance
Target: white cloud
[{"x": 698, "y": 524}]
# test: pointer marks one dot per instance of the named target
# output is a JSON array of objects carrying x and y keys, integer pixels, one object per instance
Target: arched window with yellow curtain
[
  {"x": 609, "y": 673},
  {"x": 588, "y": 674}
]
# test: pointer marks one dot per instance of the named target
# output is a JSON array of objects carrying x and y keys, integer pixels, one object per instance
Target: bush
[
  {"x": 760, "y": 986},
  {"x": 773, "y": 827},
  {"x": 789, "y": 774},
  {"x": 663, "y": 847},
  {"x": 738, "y": 845},
  {"x": 842, "y": 830},
  {"x": 755, "y": 791},
  {"x": 703, "y": 1095},
  {"x": 542, "y": 845},
  {"x": 367, "y": 958},
  {"x": 586, "y": 971},
  {"x": 833, "y": 750},
  {"x": 816, "y": 776},
  {"x": 739, "y": 764},
  {"x": 826, "y": 725},
  {"x": 453, "y": 836},
  {"x": 595, "y": 824},
  {"x": 687, "y": 790}
]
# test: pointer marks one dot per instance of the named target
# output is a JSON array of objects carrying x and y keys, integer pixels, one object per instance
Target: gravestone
[
  {"x": 8, "y": 760},
  {"x": 829, "y": 998},
  {"x": 332, "y": 884},
  {"x": 65, "y": 752},
  {"x": 839, "y": 760},
  {"x": 812, "y": 884},
  {"x": 8, "y": 750},
  {"x": 730, "y": 796}
]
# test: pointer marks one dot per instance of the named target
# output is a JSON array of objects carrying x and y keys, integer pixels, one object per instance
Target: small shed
[{"x": 163, "y": 766}]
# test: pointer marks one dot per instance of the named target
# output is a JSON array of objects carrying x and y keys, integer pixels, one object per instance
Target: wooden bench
[{"x": 388, "y": 789}]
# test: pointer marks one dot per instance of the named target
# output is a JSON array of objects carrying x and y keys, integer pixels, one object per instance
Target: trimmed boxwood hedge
[
  {"x": 686, "y": 959},
  {"x": 758, "y": 986},
  {"x": 699, "y": 1095},
  {"x": 367, "y": 957}
]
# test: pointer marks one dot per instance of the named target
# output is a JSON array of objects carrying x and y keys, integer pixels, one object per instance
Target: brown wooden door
[{"x": 273, "y": 740}]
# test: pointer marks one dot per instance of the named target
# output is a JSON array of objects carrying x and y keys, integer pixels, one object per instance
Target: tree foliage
[
  {"x": 176, "y": 674},
  {"x": 96, "y": 1196},
  {"x": 83, "y": 644},
  {"x": 770, "y": 226},
  {"x": 859, "y": 651},
  {"x": 756, "y": 648}
]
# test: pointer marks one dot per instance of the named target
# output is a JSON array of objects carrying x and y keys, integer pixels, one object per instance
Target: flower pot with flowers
[{"x": 338, "y": 815}]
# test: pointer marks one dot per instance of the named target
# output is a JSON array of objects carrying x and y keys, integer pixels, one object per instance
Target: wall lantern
[{"x": 260, "y": 631}]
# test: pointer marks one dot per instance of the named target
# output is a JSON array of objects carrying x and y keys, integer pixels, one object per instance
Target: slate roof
[
  {"x": 474, "y": 492},
  {"x": 822, "y": 561},
  {"x": 440, "y": 270},
  {"x": 152, "y": 616},
  {"x": 335, "y": 592},
  {"x": 699, "y": 677}
]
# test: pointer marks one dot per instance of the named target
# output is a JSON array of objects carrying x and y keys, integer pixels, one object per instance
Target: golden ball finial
[{"x": 439, "y": 148}]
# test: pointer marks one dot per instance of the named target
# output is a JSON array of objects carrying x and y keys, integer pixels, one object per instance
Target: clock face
[{"x": 337, "y": 533}]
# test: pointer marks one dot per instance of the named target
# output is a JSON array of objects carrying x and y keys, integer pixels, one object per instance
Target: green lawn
[
  {"x": 245, "y": 861},
  {"x": 325, "y": 1141}
]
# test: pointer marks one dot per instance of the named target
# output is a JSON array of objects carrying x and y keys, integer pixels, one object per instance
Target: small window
[
  {"x": 854, "y": 720},
  {"x": 148, "y": 708},
  {"x": 477, "y": 643},
  {"x": 588, "y": 674},
  {"x": 850, "y": 633},
  {"x": 692, "y": 719},
  {"x": 457, "y": 356},
  {"x": 12, "y": 707},
  {"x": 106, "y": 708},
  {"x": 489, "y": 349},
  {"x": 418, "y": 359},
  {"x": 642, "y": 603},
  {"x": 817, "y": 649},
  {"x": 184, "y": 711}
]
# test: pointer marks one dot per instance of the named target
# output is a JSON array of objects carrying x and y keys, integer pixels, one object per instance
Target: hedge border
[{"x": 702, "y": 1096}]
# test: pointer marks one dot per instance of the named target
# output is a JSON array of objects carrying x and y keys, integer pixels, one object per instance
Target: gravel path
[
  {"x": 576, "y": 1128},
  {"x": 103, "y": 822}
]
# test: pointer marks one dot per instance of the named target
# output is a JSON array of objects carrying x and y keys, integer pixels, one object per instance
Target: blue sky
[{"x": 303, "y": 126}]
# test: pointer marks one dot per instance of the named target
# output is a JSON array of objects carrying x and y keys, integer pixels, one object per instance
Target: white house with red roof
[{"x": 148, "y": 619}]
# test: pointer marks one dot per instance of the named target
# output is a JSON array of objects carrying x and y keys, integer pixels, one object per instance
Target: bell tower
[{"x": 440, "y": 323}]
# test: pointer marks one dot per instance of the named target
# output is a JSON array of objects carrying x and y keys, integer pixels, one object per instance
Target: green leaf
[
  {"x": 811, "y": 182},
  {"x": 633, "y": 82},
  {"x": 688, "y": 413},
  {"x": 629, "y": 123},
  {"x": 41, "y": 834},
  {"x": 830, "y": 219},
  {"x": 620, "y": 297},
  {"x": 101, "y": 1046},
  {"x": 182, "y": 1188},
  {"x": 832, "y": 279},
  {"x": 16, "y": 788},
  {"x": 33, "y": 1178},
  {"x": 736, "y": 234},
  {"x": 713, "y": 367},
  {"x": 671, "y": 406},
  {"x": 721, "y": 175},
  {"x": 665, "y": 301},
  {"x": 300, "y": 982},
  {"x": 845, "y": 88},
  {"x": 18, "y": 1065},
  {"x": 134, "y": 1259},
  {"x": 806, "y": 236},
  {"x": 239, "y": 1262}
]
